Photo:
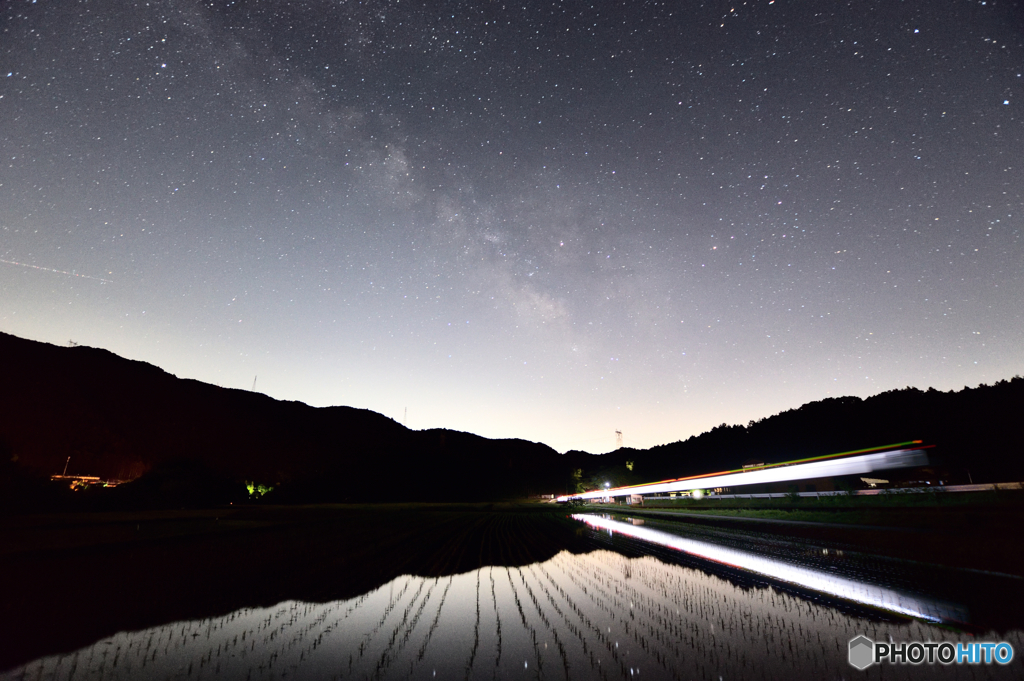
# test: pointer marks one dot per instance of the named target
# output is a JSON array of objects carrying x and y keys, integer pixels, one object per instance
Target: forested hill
[
  {"x": 118, "y": 418},
  {"x": 977, "y": 433}
]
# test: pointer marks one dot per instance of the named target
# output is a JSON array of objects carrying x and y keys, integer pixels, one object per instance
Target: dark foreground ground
[{"x": 71, "y": 579}]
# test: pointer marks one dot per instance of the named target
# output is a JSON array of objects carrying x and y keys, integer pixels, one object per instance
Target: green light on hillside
[{"x": 257, "y": 490}]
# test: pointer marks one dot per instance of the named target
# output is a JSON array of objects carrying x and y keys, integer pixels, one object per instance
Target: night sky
[{"x": 547, "y": 220}]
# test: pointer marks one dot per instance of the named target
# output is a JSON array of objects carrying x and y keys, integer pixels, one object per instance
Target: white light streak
[
  {"x": 854, "y": 465},
  {"x": 809, "y": 578},
  {"x": 49, "y": 269}
]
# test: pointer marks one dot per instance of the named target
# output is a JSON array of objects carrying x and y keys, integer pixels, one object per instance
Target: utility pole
[
  {"x": 618, "y": 439},
  {"x": 254, "y": 383}
]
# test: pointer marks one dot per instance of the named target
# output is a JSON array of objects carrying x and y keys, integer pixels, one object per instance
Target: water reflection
[
  {"x": 817, "y": 580},
  {"x": 599, "y": 615}
]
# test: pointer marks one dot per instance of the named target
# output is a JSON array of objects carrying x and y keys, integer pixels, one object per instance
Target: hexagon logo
[{"x": 862, "y": 652}]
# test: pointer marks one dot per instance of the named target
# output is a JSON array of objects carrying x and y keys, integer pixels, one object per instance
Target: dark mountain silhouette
[
  {"x": 118, "y": 418},
  {"x": 976, "y": 433}
]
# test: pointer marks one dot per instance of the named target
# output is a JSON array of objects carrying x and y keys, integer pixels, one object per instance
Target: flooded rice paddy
[{"x": 596, "y": 615}]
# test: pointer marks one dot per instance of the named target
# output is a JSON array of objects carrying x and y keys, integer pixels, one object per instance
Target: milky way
[{"x": 538, "y": 220}]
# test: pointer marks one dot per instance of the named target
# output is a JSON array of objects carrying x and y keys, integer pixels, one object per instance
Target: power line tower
[{"x": 618, "y": 439}]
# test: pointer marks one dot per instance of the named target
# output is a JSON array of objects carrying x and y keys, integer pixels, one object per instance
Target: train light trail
[{"x": 820, "y": 467}]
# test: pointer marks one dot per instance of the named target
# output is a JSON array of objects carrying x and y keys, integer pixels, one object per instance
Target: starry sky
[{"x": 547, "y": 220}]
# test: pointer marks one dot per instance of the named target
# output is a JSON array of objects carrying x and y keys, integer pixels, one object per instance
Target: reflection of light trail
[
  {"x": 809, "y": 578},
  {"x": 853, "y": 465},
  {"x": 48, "y": 269}
]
